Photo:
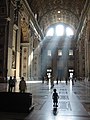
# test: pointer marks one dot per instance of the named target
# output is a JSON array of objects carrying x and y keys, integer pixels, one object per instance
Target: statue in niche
[{"x": 13, "y": 60}]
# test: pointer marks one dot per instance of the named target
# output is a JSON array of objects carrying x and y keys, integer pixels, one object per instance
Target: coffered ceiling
[{"x": 54, "y": 11}]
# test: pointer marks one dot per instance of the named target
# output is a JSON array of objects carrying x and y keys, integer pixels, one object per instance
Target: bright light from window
[
  {"x": 59, "y": 52},
  {"x": 59, "y": 30},
  {"x": 70, "y": 52},
  {"x": 49, "y": 53},
  {"x": 50, "y": 32},
  {"x": 69, "y": 31}
]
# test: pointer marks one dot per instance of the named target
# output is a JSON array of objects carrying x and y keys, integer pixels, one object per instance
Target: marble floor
[{"x": 73, "y": 104}]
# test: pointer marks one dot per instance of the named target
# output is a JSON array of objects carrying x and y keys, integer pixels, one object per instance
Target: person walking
[
  {"x": 55, "y": 98},
  {"x": 22, "y": 85}
]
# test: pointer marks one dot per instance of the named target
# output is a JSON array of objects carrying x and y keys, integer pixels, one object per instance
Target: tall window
[
  {"x": 70, "y": 52},
  {"x": 50, "y": 32},
  {"x": 69, "y": 31},
  {"x": 49, "y": 52},
  {"x": 59, "y": 30},
  {"x": 59, "y": 52}
]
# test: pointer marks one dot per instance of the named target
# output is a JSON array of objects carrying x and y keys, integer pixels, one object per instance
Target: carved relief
[
  {"x": 14, "y": 50},
  {"x": 25, "y": 61},
  {"x": 13, "y": 59},
  {"x": 25, "y": 34}
]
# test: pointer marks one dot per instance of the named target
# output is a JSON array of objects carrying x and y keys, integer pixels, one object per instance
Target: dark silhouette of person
[
  {"x": 57, "y": 80},
  {"x": 14, "y": 82},
  {"x": 72, "y": 81},
  {"x": 22, "y": 85},
  {"x": 66, "y": 81},
  {"x": 55, "y": 98},
  {"x": 11, "y": 84}
]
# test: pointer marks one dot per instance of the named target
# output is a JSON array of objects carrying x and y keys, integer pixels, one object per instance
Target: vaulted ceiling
[{"x": 47, "y": 11}]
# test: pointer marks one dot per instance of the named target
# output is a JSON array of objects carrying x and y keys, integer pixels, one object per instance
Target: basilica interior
[
  {"x": 46, "y": 35},
  {"x": 46, "y": 41}
]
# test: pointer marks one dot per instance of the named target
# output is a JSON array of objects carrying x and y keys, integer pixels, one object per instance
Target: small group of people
[{"x": 12, "y": 84}]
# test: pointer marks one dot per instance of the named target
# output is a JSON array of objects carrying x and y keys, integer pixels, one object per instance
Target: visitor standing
[
  {"x": 22, "y": 85},
  {"x": 11, "y": 84}
]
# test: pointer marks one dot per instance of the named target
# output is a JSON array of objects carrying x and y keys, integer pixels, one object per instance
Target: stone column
[
  {"x": 80, "y": 60},
  {"x": 89, "y": 61},
  {"x": 88, "y": 54}
]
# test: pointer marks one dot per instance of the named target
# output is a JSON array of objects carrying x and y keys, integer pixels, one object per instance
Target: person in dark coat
[{"x": 22, "y": 85}]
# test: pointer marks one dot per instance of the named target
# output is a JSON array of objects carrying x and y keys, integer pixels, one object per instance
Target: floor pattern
[{"x": 73, "y": 104}]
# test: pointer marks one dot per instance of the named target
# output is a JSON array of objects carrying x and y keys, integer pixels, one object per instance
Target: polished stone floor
[{"x": 74, "y": 101}]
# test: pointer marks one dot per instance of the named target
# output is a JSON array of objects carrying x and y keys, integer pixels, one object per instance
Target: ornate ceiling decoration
[{"x": 47, "y": 11}]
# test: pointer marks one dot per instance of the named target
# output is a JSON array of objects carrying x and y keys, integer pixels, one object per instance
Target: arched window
[
  {"x": 69, "y": 31},
  {"x": 50, "y": 32},
  {"x": 59, "y": 30}
]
